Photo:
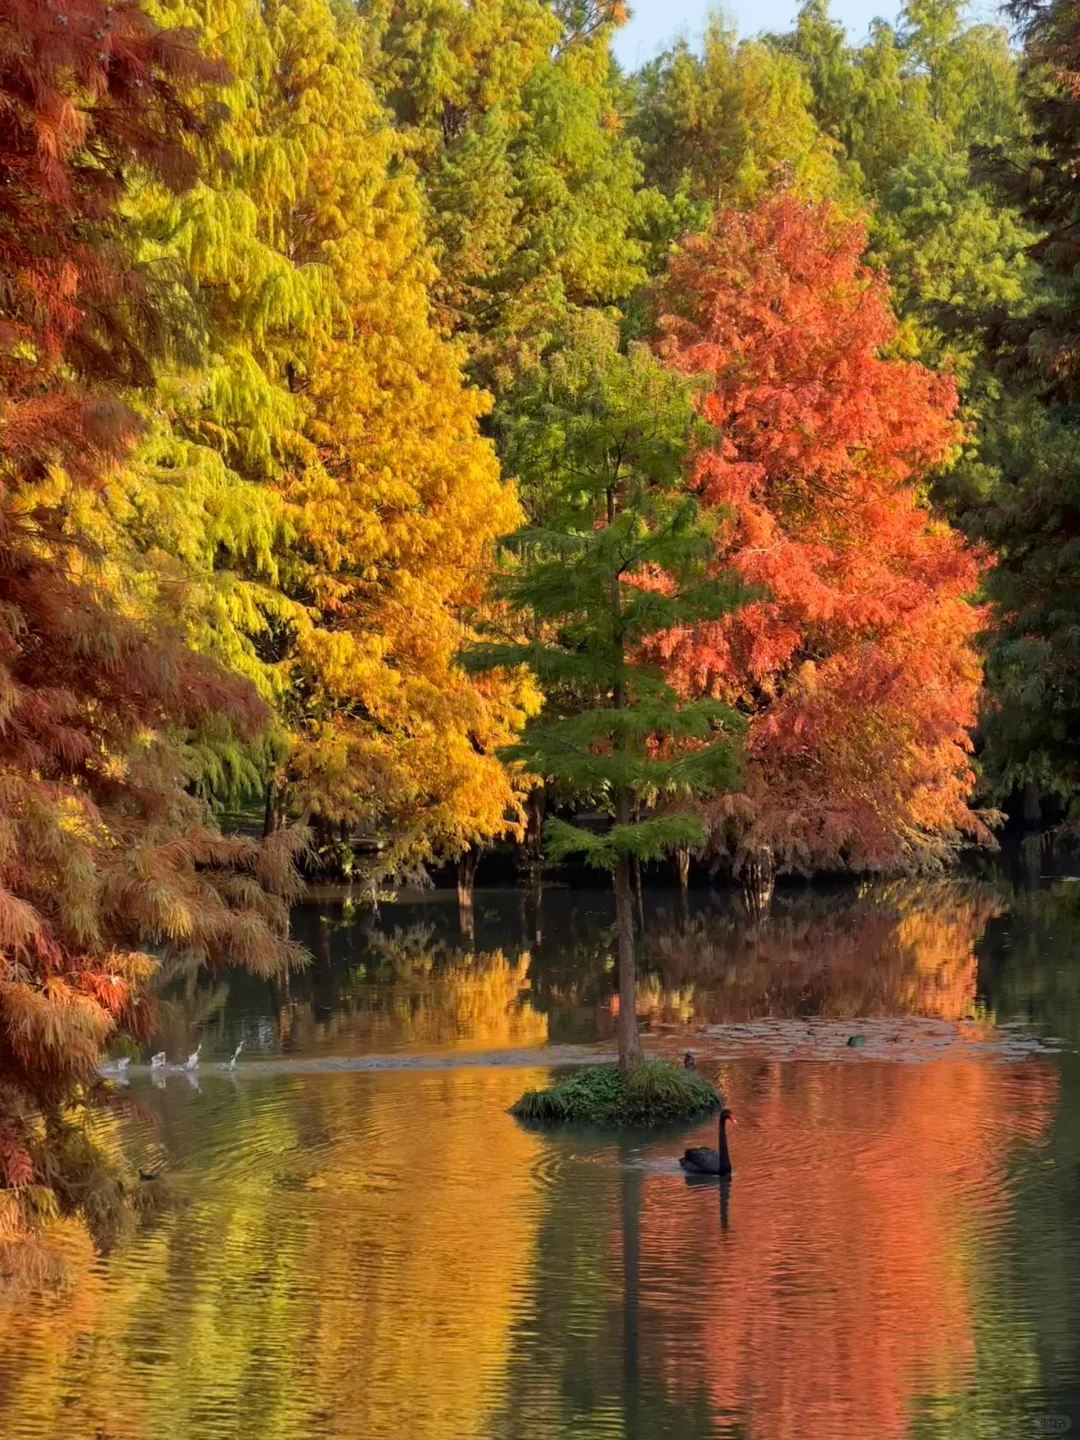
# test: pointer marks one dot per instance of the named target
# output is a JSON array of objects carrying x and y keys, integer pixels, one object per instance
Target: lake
[{"x": 359, "y": 1241}]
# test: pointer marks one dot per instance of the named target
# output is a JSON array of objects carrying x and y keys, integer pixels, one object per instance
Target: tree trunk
[
  {"x": 466, "y": 874},
  {"x": 758, "y": 879},
  {"x": 532, "y": 844},
  {"x": 277, "y": 801},
  {"x": 467, "y": 921},
  {"x": 682, "y": 867},
  {"x": 629, "y": 1041},
  {"x": 1032, "y": 808},
  {"x": 639, "y": 899},
  {"x": 467, "y": 864}
]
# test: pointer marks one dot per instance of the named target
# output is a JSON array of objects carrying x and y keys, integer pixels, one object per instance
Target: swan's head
[{"x": 727, "y": 1118}]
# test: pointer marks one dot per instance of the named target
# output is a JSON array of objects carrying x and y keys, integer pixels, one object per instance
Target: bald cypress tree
[
  {"x": 1030, "y": 519},
  {"x": 619, "y": 558},
  {"x": 315, "y": 495},
  {"x": 105, "y": 852}
]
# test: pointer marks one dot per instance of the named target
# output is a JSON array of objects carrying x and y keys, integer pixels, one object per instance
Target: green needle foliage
[{"x": 619, "y": 554}]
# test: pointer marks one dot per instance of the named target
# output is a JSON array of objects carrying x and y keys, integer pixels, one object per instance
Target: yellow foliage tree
[{"x": 315, "y": 497}]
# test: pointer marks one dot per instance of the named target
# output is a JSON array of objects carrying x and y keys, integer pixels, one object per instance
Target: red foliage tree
[
  {"x": 103, "y": 847},
  {"x": 855, "y": 664}
]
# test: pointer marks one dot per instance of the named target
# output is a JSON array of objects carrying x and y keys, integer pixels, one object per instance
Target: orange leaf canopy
[{"x": 855, "y": 664}]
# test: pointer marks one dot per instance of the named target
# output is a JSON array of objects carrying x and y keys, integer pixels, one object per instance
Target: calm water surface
[{"x": 386, "y": 1253}]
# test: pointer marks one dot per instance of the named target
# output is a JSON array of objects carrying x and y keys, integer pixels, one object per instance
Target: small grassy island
[{"x": 651, "y": 1093}]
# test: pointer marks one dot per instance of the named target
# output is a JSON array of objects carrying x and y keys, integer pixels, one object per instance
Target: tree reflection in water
[
  {"x": 405, "y": 979},
  {"x": 851, "y": 1280},
  {"x": 389, "y": 1253}
]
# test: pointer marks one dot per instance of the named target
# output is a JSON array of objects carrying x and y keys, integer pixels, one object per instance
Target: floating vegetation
[{"x": 652, "y": 1093}]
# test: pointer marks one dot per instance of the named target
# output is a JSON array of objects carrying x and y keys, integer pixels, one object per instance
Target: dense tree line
[{"x": 306, "y": 304}]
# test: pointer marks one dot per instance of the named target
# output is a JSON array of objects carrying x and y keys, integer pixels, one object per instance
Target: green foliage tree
[
  {"x": 903, "y": 109},
  {"x": 511, "y": 112},
  {"x": 600, "y": 438},
  {"x": 719, "y": 127},
  {"x": 1030, "y": 515}
]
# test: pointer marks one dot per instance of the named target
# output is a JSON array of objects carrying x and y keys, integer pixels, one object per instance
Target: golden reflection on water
[
  {"x": 390, "y": 1254},
  {"x": 344, "y": 1260}
]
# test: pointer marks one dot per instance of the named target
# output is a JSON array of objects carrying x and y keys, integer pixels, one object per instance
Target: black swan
[{"x": 699, "y": 1161}]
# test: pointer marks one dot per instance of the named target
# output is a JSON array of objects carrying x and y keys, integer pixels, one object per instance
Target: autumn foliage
[
  {"x": 104, "y": 851},
  {"x": 855, "y": 662}
]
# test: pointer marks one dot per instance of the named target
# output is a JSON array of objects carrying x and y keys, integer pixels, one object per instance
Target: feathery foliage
[
  {"x": 104, "y": 849},
  {"x": 314, "y": 497},
  {"x": 621, "y": 554},
  {"x": 855, "y": 666}
]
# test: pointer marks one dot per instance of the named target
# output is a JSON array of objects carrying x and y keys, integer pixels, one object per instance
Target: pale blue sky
[{"x": 655, "y": 23}]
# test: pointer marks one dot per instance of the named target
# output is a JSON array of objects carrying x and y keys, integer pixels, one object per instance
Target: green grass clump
[{"x": 653, "y": 1093}]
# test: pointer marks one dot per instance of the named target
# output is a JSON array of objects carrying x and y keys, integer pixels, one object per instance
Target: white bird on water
[
  {"x": 236, "y": 1056},
  {"x": 122, "y": 1065},
  {"x": 192, "y": 1061},
  {"x": 157, "y": 1062}
]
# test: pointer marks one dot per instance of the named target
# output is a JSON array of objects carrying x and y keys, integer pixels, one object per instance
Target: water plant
[{"x": 654, "y": 1092}]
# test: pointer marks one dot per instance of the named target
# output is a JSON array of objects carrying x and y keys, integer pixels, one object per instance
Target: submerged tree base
[{"x": 653, "y": 1093}]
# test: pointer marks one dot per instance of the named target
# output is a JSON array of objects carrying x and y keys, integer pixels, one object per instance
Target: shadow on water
[{"x": 388, "y": 1253}]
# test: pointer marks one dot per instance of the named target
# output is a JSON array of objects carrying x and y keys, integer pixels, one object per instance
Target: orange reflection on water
[
  {"x": 900, "y": 950},
  {"x": 846, "y": 1281}
]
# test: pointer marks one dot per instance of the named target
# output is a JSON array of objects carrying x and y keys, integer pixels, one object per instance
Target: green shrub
[{"x": 653, "y": 1093}]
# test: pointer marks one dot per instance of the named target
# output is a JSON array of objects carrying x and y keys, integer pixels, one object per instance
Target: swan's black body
[{"x": 702, "y": 1161}]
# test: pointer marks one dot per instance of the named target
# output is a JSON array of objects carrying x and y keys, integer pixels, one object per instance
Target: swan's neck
[{"x": 725, "y": 1159}]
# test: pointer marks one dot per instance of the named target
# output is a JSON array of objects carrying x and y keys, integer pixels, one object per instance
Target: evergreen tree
[
  {"x": 1031, "y": 724},
  {"x": 719, "y": 128},
  {"x": 622, "y": 556},
  {"x": 903, "y": 110},
  {"x": 511, "y": 111}
]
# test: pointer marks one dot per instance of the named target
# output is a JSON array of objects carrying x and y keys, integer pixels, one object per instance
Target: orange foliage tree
[
  {"x": 855, "y": 665},
  {"x": 104, "y": 847}
]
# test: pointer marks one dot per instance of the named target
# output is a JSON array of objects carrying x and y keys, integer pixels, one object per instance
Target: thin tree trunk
[
  {"x": 467, "y": 921},
  {"x": 466, "y": 874},
  {"x": 682, "y": 867},
  {"x": 629, "y": 1042},
  {"x": 630, "y": 1053},
  {"x": 467, "y": 864},
  {"x": 758, "y": 880},
  {"x": 682, "y": 871},
  {"x": 532, "y": 843},
  {"x": 639, "y": 901},
  {"x": 277, "y": 801}
]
